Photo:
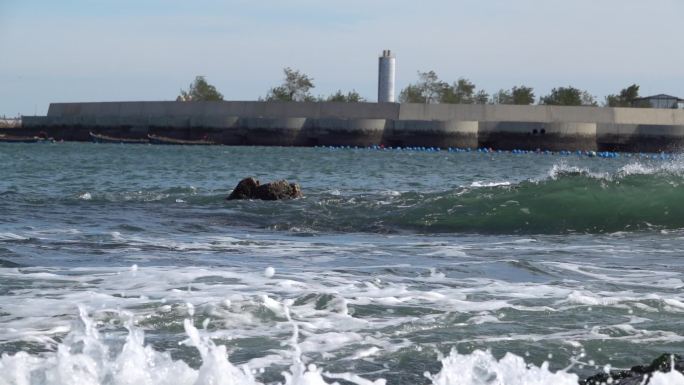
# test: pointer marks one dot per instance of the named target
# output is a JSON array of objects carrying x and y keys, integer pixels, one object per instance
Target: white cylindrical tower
[{"x": 386, "y": 70}]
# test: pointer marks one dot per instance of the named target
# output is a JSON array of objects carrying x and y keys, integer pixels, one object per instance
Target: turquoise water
[{"x": 391, "y": 261}]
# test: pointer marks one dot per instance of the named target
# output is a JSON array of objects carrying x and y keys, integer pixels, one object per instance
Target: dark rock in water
[
  {"x": 280, "y": 189},
  {"x": 250, "y": 188},
  {"x": 245, "y": 189},
  {"x": 637, "y": 375}
]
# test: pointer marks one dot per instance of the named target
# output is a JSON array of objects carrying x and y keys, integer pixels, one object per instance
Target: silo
[{"x": 386, "y": 70}]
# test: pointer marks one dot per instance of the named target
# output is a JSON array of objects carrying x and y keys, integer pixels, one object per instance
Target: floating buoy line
[{"x": 484, "y": 150}]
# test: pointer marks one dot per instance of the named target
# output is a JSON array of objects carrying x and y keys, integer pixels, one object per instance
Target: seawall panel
[
  {"x": 343, "y": 132},
  {"x": 271, "y": 131},
  {"x": 554, "y": 136},
  {"x": 445, "y": 112},
  {"x": 640, "y": 137},
  {"x": 214, "y": 122},
  {"x": 433, "y": 133},
  {"x": 649, "y": 116}
]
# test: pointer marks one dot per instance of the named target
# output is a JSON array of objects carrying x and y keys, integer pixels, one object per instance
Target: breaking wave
[
  {"x": 568, "y": 199},
  {"x": 86, "y": 358}
]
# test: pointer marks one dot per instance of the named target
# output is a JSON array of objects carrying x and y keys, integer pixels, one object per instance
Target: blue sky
[{"x": 106, "y": 50}]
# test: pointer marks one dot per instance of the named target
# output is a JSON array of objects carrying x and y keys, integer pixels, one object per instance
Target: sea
[{"x": 124, "y": 264}]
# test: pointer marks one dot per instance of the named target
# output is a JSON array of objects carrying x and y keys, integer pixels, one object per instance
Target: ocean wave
[
  {"x": 571, "y": 202},
  {"x": 85, "y": 357},
  {"x": 568, "y": 199}
]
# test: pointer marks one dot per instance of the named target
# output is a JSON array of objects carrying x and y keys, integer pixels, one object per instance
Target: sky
[{"x": 113, "y": 50}]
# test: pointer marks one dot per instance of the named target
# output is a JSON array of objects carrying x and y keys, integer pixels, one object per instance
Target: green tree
[
  {"x": 502, "y": 97},
  {"x": 613, "y": 100},
  {"x": 626, "y": 98},
  {"x": 517, "y": 95},
  {"x": 199, "y": 91},
  {"x": 295, "y": 88},
  {"x": 481, "y": 97},
  {"x": 568, "y": 96},
  {"x": 431, "y": 86},
  {"x": 412, "y": 94},
  {"x": 461, "y": 91},
  {"x": 430, "y": 89},
  {"x": 351, "y": 97},
  {"x": 426, "y": 90},
  {"x": 588, "y": 99},
  {"x": 522, "y": 95}
]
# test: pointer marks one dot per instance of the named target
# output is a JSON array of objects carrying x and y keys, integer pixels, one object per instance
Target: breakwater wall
[{"x": 362, "y": 124}]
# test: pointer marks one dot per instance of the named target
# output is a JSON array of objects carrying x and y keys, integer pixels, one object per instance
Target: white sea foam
[
  {"x": 489, "y": 184},
  {"x": 11, "y": 237},
  {"x": 675, "y": 303},
  {"x": 590, "y": 299},
  {"x": 235, "y": 298},
  {"x": 669, "y": 378},
  {"x": 562, "y": 168},
  {"x": 349, "y": 312},
  {"x": 447, "y": 251},
  {"x": 481, "y": 367},
  {"x": 86, "y": 358},
  {"x": 626, "y": 277},
  {"x": 637, "y": 168},
  {"x": 672, "y": 167}
]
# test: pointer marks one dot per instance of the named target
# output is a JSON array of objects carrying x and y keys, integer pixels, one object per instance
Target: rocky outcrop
[
  {"x": 250, "y": 188},
  {"x": 245, "y": 189},
  {"x": 638, "y": 375}
]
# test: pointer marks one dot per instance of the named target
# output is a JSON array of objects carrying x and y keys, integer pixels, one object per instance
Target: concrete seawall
[{"x": 364, "y": 124}]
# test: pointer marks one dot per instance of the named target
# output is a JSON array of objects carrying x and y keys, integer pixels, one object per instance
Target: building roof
[{"x": 660, "y": 97}]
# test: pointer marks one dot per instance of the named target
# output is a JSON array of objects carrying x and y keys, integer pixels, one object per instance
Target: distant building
[
  {"x": 660, "y": 101},
  {"x": 386, "y": 74}
]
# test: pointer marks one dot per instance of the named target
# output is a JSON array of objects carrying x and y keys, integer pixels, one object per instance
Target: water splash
[
  {"x": 481, "y": 368},
  {"x": 84, "y": 358},
  {"x": 669, "y": 378},
  {"x": 216, "y": 369}
]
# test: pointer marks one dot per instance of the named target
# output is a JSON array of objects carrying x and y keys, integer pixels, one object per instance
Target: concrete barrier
[
  {"x": 343, "y": 132},
  {"x": 363, "y": 124},
  {"x": 433, "y": 133},
  {"x": 271, "y": 131},
  {"x": 640, "y": 137},
  {"x": 554, "y": 136},
  {"x": 213, "y": 121}
]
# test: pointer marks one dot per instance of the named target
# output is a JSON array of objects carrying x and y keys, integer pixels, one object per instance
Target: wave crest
[
  {"x": 568, "y": 199},
  {"x": 85, "y": 357}
]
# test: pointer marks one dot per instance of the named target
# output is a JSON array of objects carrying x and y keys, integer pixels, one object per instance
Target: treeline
[
  {"x": 429, "y": 89},
  {"x": 296, "y": 87}
]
